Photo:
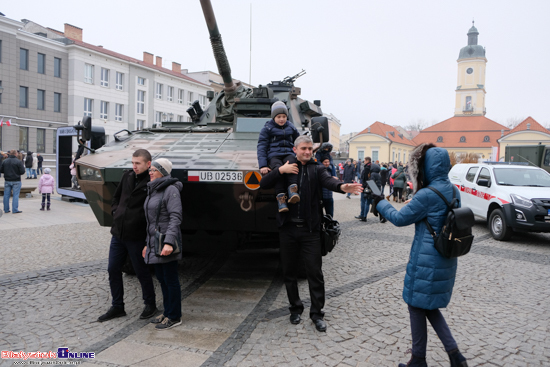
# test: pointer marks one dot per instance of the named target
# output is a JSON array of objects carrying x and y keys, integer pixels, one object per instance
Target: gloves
[{"x": 375, "y": 201}]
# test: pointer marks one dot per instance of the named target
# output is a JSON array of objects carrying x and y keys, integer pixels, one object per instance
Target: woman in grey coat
[{"x": 165, "y": 191}]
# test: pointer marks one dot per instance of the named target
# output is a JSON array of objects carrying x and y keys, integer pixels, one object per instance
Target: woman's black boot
[
  {"x": 457, "y": 359},
  {"x": 415, "y": 362}
]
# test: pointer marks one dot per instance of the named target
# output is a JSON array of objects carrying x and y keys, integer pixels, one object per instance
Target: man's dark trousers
[
  {"x": 296, "y": 241},
  {"x": 118, "y": 251}
]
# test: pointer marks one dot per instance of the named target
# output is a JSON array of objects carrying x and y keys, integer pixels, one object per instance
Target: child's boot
[
  {"x": 293, "y": 196},
  {"x": 48, "y": 207},
  {"x": 42, "y": 206},
  {"x": 281, "y": 203}
]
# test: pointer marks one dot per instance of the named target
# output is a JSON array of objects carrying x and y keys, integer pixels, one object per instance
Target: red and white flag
[
  {"x": 8, "y": 123},
  {"x": 1, "y": 121}
]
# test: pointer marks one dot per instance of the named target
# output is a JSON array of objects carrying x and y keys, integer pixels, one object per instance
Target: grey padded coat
[{"x": 169, "y": 218}]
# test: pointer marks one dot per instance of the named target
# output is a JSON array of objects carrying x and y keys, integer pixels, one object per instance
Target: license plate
[{"x": 214, "y": 176}]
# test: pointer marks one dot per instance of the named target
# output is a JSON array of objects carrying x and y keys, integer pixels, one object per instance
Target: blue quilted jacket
[
  {"x": 275, "y": 141},
  {"x": 430, "y": 277}
]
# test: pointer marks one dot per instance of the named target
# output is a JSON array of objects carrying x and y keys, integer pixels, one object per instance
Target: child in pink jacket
[{"x": 45, "y": 187}]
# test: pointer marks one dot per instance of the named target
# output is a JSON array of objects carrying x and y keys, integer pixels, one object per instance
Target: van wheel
[{"x": 498, "y": 226}]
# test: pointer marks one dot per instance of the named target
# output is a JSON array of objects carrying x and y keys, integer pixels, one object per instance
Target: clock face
[{"x": 470, "y": 70}]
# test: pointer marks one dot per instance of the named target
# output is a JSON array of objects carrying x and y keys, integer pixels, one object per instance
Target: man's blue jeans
[
  {"x": 9, "y": 188},
  {"x": 365, "y": 205},
  {"x": 29, "y": 172}
]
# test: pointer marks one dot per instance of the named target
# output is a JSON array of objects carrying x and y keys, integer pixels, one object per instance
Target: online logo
[{"x": 65, "y": 353}]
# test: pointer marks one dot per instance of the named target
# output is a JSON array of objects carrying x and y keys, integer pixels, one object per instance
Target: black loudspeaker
[
  {"x": 319, "y": 129},
  {"x": 87, "y": 125}
]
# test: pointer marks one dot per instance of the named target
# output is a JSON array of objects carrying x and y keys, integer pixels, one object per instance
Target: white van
[{"x": 510, "y": 197}]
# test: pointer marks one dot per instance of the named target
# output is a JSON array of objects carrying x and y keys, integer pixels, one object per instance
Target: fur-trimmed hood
[{"x": 427, "y": 164}]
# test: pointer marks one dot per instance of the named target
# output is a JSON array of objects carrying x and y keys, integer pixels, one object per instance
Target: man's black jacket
[
  {"x": 129, "y": 221},
  {"x": 365, "y": 175},
  {"x": 349, "y": 173},
  {"x": 12, "y": 168},
  {"x": 310, "y": 183}
]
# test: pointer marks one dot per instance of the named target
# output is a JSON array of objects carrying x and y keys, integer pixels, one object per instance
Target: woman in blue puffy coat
[{"x": 430, "y": 277}]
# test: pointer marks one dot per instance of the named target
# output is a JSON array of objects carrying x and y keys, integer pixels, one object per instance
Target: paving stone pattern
[{"x": 53, "y": 286}]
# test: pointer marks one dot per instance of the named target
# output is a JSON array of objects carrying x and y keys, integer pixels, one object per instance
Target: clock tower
[{"x": 470, "y": 90}]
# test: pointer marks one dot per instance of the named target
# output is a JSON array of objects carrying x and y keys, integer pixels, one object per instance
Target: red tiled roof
[
  {"x": 381, "y": 129},
  {"x": 473, "y": 128},
  {"x": 535, "y": 126},
  {"x": 133, "y": 60}
]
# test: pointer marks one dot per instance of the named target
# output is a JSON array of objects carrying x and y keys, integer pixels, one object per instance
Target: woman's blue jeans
[{"x": 167, "y": 275}]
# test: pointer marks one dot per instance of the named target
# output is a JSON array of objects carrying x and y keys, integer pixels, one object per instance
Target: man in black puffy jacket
[
  {"x": 129, "y": 234},
  {"x": 13, "y": 169}
]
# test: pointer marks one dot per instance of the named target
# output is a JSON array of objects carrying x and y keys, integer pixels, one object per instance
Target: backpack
[{"x": 455, "y": 238}]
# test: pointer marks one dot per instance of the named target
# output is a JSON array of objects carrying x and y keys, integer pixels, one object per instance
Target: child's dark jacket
[{"x": 275, "y": 141}]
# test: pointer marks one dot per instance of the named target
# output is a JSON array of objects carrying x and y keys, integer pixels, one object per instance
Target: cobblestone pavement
[{"x": 53, "y": 284}]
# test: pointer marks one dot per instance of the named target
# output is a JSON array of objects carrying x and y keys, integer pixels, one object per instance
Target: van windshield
[{"x": 522, "y": 177}]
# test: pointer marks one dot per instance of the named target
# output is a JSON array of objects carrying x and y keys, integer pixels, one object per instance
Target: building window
[
  {"x": 119, "y": 80},
  {"x": 181, "y": 94},
  {"x": 190, "y": 99},
  {"x": 180, "y": 118},
  {"x": 486, "y": 139},
  {"x": 170, "y": 94},
  {"x": 158, "y": 116},
  {"x": 88, "y": 105},
  {"x": 104, "y": 77},
  {"x": 158, "y": 91},
  {"x": 141, "y": 102},
  {"x": 440, "y": 139},
  {"x": 463, "y": 139},
  {"x": 41, "y": 140},
  {"x": 89, "y": 74},
  {"x": 141, "y": 81},
  {"x": 40, "y": 99},
  {"x": 1, "y": 91},
  {"x": 202, "y": 101},
  {"x": 24, "y": 97},
  {"x": 374, "y": 155},
  {"x": 57, "y": 102},
  {"x": 57, "y": 67},
  {"x": 468, "y": 103},
  {"x": 103, "y": 113},
  {"x": 41, "y": 64},
  {"x": 23, "y": 59},
  {"x": 119, "y": 109},
  {"x": 24, "y": 138},
  {"x": 140, "y": 124},
  {"x": 54, "y": 143}
]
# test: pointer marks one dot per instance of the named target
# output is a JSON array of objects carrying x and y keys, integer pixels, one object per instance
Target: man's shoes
[
  {"x": 320, "y": 325},
  {"x": 281, "y": 203},
  {"x": 148, "y": 312},
  {"x": 158, "y": 319},
  {"x": 168, "y": 324},
  {"x": 383, "y": 220},
  {"x": 17, "y": 212},
  {"x": 6, "y": 211},
  {"x": 295, "y": 318},
  {"x": 348, "y": 197},
  {"x": 113, "y": 313},
  {"x": 363, "y": 219},
  {"x": 293, "y": 196},
  {"x": 359, "y": 217}
]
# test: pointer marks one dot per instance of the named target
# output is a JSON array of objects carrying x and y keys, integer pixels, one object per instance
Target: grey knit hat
[
  {"x": 278, "y": 108},
  {"x": 47, "y": 170},
  {"x": 163, "y": 165}
]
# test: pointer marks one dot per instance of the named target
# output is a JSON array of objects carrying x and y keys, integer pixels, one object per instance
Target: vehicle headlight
[
  {"x": 521, "y": 201},
  {"x": 89, "y": 174}
]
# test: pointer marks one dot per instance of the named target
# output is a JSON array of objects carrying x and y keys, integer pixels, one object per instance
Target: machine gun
[{"x": 292, "y": 79}]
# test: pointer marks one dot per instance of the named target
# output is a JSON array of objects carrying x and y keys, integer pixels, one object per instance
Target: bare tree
[
  {"x": 513, "y": 122},
  {"x": 416, "y": 125}
]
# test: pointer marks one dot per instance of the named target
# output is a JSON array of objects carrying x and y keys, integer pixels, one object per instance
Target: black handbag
[
  {"x": 159, "y": 237},
  {"x": 330, "y": 233},
  {"x": 455, "y": 238}
]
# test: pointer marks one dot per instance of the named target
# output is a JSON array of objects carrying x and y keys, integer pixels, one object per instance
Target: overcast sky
[{"x": 389, "y": 61}]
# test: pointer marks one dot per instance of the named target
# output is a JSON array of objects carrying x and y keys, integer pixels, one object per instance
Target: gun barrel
[{"x": 217, "y": 45}]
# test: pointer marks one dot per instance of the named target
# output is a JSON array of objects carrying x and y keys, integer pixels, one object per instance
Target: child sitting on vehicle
[{"x": 275, "y": 149}]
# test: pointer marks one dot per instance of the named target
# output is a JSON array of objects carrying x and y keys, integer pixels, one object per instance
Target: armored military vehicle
[{"x": 214, "y": 156}]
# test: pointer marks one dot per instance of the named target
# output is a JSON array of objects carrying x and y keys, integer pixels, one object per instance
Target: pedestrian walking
[
  {"x": 300, "y": 229},
  {"x": 128, "y": 237},
  {"x": 28, "y": 164},
  {"x": 34, "y": 165},
  {"x": 45, "y": 187},
  {"x": 13, "y": 169},
  {"x": 163, "y": 192},
  {"x": 430, "y": 277},
  {"x": 383, "y": 177},
  {"x": 341, "y": 171},
  {"x": 39, "y": 167},
  {"x": 399, "y": 181},
  {"x": 328, "y": 200},
  {"x": 349, "y": 174},
  {"x": 364, "y": 178}
]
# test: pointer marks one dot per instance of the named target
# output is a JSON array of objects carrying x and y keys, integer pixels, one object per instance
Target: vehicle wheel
[
  {"x": 128, "y": 268},
  {"x": 498, "y": 226}
]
